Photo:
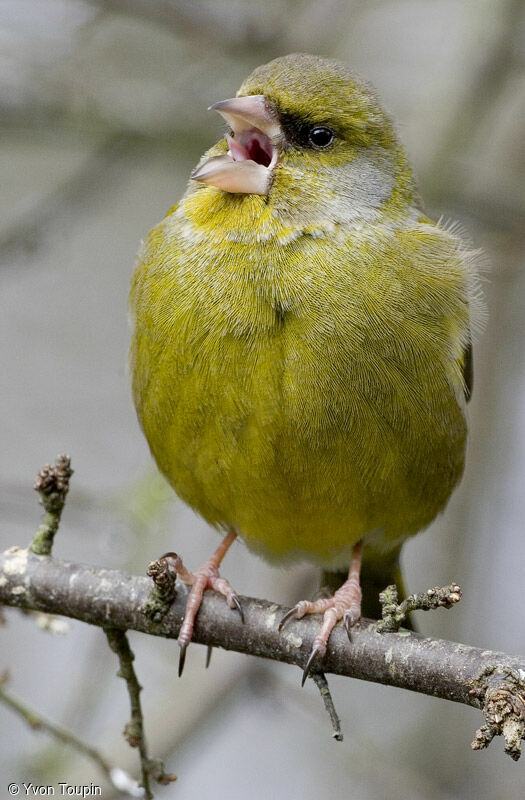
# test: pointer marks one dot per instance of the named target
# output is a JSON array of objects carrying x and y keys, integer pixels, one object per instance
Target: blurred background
[{"x": 103, "y": 115}]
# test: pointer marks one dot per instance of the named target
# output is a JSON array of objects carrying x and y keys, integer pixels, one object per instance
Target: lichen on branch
[{"x": 394, "y": 613}]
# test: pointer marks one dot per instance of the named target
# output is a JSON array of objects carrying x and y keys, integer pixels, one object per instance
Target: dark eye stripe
[{"x": 298, "y": 131}]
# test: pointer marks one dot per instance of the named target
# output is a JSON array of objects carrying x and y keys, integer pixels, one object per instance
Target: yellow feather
[{"x": 296, "y": 358}]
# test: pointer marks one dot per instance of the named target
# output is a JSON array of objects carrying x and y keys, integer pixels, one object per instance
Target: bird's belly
[{"x": 301, "y": 456}]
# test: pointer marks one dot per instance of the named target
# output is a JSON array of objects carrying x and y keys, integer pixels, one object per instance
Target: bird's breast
[{"x": 289, "y": 391}]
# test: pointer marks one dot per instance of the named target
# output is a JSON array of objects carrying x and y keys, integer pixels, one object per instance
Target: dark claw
[
  {"x": 172, "y": 559},
  {"x": 209, "y": 651},
  {"x": 182, "y": 657},
  {"x": 289, "y": 614},
  {"x": 238, "y": 606},
  {"x": 313, "y": 655},
  {"x": 350, "y": 621}
]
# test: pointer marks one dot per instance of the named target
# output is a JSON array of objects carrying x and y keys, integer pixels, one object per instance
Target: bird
[{"x": 301, "y": 357}]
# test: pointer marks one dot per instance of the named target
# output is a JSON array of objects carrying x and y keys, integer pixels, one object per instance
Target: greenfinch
[{"x": 301, "y": 355}]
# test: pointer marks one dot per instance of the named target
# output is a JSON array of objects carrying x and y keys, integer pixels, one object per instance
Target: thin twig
[
  {"x": 478, "y": 94},
  {"x": 134, "y": 729},
  {"x": 28, "y": 234},
  {"x": 320, "y": 681},
  {"x": 39, "y": 723},
  {"x": 52, "y": 484},
  {"x": 208, "y": 25},
  {"x": 394, "y": 614}
]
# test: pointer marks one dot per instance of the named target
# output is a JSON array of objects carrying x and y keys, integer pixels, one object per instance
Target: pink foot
[
  {"x": 206, "y": 577},
  {"x": 346, "y": 603}
]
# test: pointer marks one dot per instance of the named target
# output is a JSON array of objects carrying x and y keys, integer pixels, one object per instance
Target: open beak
[{"x": 247, "y": 167}]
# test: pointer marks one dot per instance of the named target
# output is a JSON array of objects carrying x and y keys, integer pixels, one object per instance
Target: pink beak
[{"x": 248, "y": 166}]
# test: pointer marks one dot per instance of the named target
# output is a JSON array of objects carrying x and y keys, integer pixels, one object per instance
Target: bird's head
[{"x": 314, "y": 141}]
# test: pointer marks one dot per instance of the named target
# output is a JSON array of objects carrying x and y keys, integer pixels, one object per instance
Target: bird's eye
[{"x": 321, "y": 137}]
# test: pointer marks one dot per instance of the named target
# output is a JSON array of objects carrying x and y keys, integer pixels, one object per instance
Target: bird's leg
[
  {"x": 345, "y": 603},
  {"x": 206, "y": 577}
]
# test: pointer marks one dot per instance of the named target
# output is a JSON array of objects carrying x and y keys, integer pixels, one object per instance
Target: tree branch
[
  {"x": 52, "y": 484},
  {"x": 134, "y": 730},
  {"x": 118, "y": 777},
  {"x": 39, "y": 723},
  {"x": 484, "y": 679}
]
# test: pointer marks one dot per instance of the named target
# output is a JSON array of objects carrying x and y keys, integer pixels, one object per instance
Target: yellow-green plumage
[{"x": 297, "y": 357}]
